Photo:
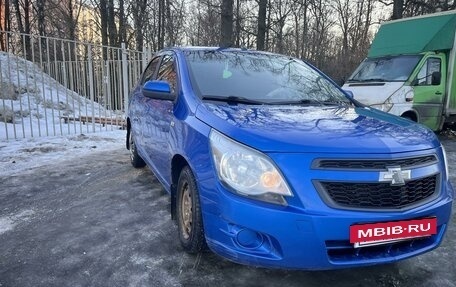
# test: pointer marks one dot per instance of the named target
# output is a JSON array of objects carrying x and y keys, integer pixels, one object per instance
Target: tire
[
  {"x": 189, "y": 219},
  {"x": 135, "y": 158}
]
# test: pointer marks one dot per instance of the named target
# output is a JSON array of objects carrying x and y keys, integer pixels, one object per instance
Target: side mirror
[
  {"x": 159, "y": 90},
  {"x": 349, "y": 94},
  {"x": 436, "y": 77}
]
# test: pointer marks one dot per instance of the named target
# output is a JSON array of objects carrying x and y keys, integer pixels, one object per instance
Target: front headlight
[
  {"x": 246, "y": 171},
  {"x": 445, "y": 162},
  {"x": 386, "y": 107}
]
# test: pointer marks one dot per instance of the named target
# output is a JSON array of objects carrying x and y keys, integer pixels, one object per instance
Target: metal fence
[{"x": 51, "y": 86}]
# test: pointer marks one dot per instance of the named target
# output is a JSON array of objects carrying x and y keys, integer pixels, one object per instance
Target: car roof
[{"x": 226, "y": 49}]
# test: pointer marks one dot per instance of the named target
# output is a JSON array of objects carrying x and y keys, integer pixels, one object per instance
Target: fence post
[
  {"x": 125, "y": 79},
  {"x": 145, "y": 57},
  {"x": 91, "y": 85}
]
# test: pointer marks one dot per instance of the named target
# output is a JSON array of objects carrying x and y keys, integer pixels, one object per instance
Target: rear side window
[
  {"x": 167, "y": 72},
  {"x": 149, "y": 73}
]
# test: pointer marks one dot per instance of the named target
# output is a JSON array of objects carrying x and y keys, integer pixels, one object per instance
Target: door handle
[{"x": 438, "y": 93}]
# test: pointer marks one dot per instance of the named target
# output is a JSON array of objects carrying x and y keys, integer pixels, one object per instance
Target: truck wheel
[
  {"x": 135, "y": 158},
  {"x": 409, "y": 116},
  {"x": 189, "y": 220}
]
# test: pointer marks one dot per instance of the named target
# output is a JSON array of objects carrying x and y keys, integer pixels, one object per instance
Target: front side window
[
  {"x": 167, "y": 72},
  {"x": 149, "y": 73},
  {"x": 425, "y": 75},
  {"x": 266, "y": 78},
  {"x": 385, "y": 69}
]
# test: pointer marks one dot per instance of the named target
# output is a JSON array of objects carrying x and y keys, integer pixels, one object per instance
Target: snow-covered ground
[
  {"x": 22, "y": 155},
  {"x": 32, "y": 103}
]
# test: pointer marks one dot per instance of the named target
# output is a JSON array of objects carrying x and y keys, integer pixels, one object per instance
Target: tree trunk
[
  {"x": 169, "y": 24},
  {"x": 226, "y": 27},
  {"x": 304, "y": 32},
  {"x": 122, "y": 23},
  {"x": 268, "y": 23},
  {"x": 7, "y": 20},
  {"x": 40, "y": 17},
  {"x": 2, "y": 24},
  {"x": 24, "y": 26},
  {"x": 161, "y": 24},
  {"x": 398, "y": 9},
  {"x": 238, "y": 23},
  {"x": 261, "y": 32},
  {"x": 139, "y": 7},
  {"x": 17, "y": 9},
  {"x": 104, "y": 26},
  {"x": 112, "y": 29}
]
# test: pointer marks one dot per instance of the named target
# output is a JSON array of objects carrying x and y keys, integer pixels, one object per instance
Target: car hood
[
  {"x": 373, "y": 93},
  {"x": 331, "y": 129}
]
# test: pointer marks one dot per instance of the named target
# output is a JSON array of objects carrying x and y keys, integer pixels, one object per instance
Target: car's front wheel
[
  {"x": 189, "y": 220},
  {"x": 135, "y": 158}
]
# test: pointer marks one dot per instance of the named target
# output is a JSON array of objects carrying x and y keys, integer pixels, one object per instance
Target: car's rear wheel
[
  {"x": 135, "y": 158},
  {"x": 189, "y": 220}
]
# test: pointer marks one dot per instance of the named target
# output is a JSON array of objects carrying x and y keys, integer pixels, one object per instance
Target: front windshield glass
[
  {"x": 265, "y": 78},
  {"x": 385, "y": 69}
]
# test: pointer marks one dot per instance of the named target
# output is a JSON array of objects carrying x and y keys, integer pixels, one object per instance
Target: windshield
[
  {"x": 385, "y": 69},
  {"x": 255, "y": 77}
]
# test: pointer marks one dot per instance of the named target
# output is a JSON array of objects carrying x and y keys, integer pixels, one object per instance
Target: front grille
[
  {"x": 380, "y": 195},
  {"x": 374, "y": 164}
]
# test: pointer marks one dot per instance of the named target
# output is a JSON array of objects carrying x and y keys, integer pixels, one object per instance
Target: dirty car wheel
[
  {"x": 135, "y": 159},
  {"x": 189, "y": 221}
]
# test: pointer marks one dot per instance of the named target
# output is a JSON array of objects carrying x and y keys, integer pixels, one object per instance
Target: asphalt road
[{"x": 99, "y": 222}]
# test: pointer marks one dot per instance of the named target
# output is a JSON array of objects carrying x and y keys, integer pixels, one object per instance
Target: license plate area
[{"x": 369, "y": 234}]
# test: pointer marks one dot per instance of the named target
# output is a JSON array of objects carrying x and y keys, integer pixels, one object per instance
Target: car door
[
  {"x": 428, "y": 96},
  {"x": 139, "y": 105},
  {"x": 159, "y": 119}
]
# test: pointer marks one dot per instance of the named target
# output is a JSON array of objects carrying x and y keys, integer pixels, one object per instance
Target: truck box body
[{"x": 409, "y": 70}]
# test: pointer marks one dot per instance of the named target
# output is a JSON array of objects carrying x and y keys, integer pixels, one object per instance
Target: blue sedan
[{"x": 269, "y": 163}]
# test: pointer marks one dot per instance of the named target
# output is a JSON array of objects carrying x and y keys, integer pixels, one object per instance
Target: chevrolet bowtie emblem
[{"x": 395, "y": 176}]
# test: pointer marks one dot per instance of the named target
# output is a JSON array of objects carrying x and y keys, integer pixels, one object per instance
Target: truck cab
[{"x": 409, "y": 71}]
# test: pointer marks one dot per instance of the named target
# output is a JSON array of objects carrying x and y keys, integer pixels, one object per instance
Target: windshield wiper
[
  {"x": 311, "y": 102},
  {"x": 296, "y": 102},
  {"x": 373, "y": 80},
  {"x": 233, "y": 100},
  {"x": 335, "y": 102},
  {"x": 365, "y": 80}
]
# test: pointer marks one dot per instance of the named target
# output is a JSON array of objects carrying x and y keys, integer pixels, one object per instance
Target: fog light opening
[{"x": 249, "y": 239}]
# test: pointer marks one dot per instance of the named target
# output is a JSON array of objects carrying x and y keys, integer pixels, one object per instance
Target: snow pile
[
  {"x": 34, "y": 104},
  {"x": 23, "y": 155}
]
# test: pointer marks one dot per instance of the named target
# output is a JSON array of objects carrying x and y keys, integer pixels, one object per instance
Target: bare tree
[
  {"x": 410, "y": 8},
  {"x": 138, "y": 13},
  {"x": 5, "y": 25},
  {"x": 23, "y": 14},
  {"x": 226, "y": 23},
  {"x": 261, "y": 31},
  {"x": 112, "y": 29},
  {"x": 122, "y": 33},
  {"x": 354, "y": 21}
]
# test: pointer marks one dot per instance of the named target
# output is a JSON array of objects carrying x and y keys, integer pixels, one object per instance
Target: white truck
[{"x": 409, "y": 70}]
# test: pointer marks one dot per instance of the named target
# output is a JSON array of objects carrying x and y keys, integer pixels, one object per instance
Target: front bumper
[
  {"x": 307, "y": 234},
  {"x": 260, "y": 234}
]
